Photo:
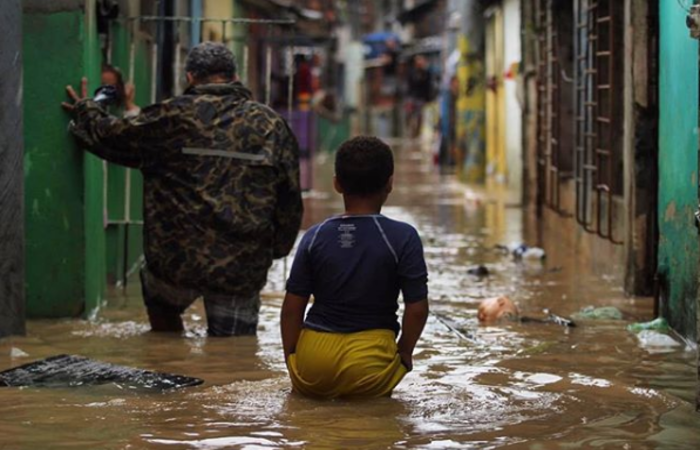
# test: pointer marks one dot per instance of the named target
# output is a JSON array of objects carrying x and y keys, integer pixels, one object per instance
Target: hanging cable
[{"x": 685, "y": 8}]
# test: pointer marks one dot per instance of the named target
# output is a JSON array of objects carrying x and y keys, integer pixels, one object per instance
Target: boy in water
[{"x": 355, "y": 265}]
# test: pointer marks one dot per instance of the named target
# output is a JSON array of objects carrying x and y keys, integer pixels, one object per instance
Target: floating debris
[
  {"x": 658, "y": 324},
  {"x": 521, "y": 252},
  {"x": 16, "y": 353},
  {"x": 480, "y": 271},
  {"x": 655, "y": 342}
]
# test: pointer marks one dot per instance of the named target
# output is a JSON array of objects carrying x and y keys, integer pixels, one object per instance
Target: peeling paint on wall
[{"x": 678, "y": 162}]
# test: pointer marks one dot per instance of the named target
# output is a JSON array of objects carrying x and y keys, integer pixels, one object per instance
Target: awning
[
  {"x": 415, "y": 13},
  {"x": 284, "y": 9},
  {"x": 430, "y": 44}
]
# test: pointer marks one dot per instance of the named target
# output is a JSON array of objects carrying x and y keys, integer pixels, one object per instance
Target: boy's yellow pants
[{"x": 362, "y": 364}]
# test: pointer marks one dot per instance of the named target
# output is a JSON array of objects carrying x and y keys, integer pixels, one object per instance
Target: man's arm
[
  {"x": 291, "y": 321},
  {"x": 414, "y": 317},
  {"x": 120, "y": 141},
  {"x": 290, "y": 207}
]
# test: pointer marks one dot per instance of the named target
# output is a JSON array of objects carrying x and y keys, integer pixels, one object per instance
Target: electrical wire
[{"x": 681, "y": 3}]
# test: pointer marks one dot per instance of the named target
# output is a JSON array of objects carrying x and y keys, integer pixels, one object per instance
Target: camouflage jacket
[{"x": 221, "y": 183}]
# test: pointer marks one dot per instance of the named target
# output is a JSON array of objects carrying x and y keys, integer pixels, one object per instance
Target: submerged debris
[
  {"x": 480, "y": 271},
  {"x": 655, "y": 342},
  {"x": 72, "y": 370}
]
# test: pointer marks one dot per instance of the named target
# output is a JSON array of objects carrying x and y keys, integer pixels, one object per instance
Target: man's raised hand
[{"x": 74, "y": 95}]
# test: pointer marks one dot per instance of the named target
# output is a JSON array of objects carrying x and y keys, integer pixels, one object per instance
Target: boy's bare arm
[
  {"x": 414, "y": 318},
  {"x": 291, "y": 321}
]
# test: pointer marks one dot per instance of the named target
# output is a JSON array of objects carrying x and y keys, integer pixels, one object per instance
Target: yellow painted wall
[
  {"x": 496, "y": 167},
  {"x": 470, "y": 131},
  {"x": 218, "y": 9}
]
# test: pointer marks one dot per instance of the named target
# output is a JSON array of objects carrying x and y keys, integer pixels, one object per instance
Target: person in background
[
  {"x": 420, "y": 92},
  {"x": 221, "y": 191},
  {"x": 355, "y": 265},
  {"x": 126, "y": 92}
]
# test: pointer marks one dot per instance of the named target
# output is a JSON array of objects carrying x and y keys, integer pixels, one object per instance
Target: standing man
[{"x": 221, "y": 191}]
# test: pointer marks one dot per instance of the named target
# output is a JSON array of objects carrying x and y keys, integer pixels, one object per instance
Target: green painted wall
[
  {"x": 678, "y": 166},
  {"x": 64, "y": 234},
  {"x": 55, "y": 246}
]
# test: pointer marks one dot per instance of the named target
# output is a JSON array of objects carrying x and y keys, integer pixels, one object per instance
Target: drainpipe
[
  {"x": 195, "y": 25},
  {"x": 472, "y": 97},
  {"x": 11, "y": 172}
]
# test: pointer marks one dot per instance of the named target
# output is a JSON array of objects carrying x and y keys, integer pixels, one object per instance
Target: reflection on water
[{"x": 515, "y": 386}]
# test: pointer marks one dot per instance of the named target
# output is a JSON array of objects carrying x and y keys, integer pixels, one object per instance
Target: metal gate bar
[
  {"x": 585, "y": 134},
  {"x": 596, "y": 124},
  {"x": 555, "y": 92},
  {"x": 605, "y": 119},
  {"x": 549, "y": 108}
]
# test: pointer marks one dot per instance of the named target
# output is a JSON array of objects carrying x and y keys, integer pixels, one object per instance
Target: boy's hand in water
[
  {"x": 74, "y": 95},
  {"x": 407, "y": 360},
  {"x": 414, "y": 316}
]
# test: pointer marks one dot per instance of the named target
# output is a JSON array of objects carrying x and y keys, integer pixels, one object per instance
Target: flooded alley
[
  {"x": 530, "y": 386},
  {"x": 164, "y": 164}
]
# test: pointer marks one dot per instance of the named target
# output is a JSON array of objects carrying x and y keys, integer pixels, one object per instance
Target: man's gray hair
[{"x": 210, "y": 58}]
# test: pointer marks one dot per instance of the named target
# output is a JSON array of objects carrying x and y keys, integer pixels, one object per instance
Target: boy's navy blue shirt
[{"x": 355, "y": 266}]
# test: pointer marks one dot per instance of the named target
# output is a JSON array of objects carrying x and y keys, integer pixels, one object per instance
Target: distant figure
[
  {"x": 420, "y": 92},
  {"x": 355, "y": 265},
  {"x": 221, "y": 191},
  {"x": 126, "y": 92}
]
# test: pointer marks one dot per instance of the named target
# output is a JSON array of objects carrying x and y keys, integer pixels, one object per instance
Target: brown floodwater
[{"x": 533, "y": 386}]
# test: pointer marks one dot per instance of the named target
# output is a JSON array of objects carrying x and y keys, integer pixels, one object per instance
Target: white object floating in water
[
  {"x": 655, "y": 342},
  {"x": 523, "y": 251},
  {"x": 534, "y": 253},
  {"x": 17, "y": 353}
]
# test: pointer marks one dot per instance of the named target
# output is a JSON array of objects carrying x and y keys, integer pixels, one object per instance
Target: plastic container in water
[{"x": 522, "y": 251}]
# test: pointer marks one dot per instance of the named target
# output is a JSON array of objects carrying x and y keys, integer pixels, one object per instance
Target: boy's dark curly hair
[{"x": 363, "y": 165}]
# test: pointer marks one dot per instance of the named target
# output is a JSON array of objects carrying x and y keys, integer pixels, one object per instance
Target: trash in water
[
  {"x": 601, "y": 313},
  {"x": 72, "y": 371},
  {"x": 479, "y": 271},
  {"x": 655, "y": 342},
  {"x": 454, "y": 328},
  {"x": 17, "y": 353},
  {"x": 559, "y": 320},
  {"x": 521, "y": 252},
  {"x": 658, "y": 324},
  {"x": 549, "y": 318}
]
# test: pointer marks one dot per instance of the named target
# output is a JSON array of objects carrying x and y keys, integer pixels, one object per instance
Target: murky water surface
[{"x": 511, "y": 386}]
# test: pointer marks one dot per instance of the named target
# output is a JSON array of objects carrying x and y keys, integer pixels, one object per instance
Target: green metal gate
[{"x": 678, "y": 169}]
